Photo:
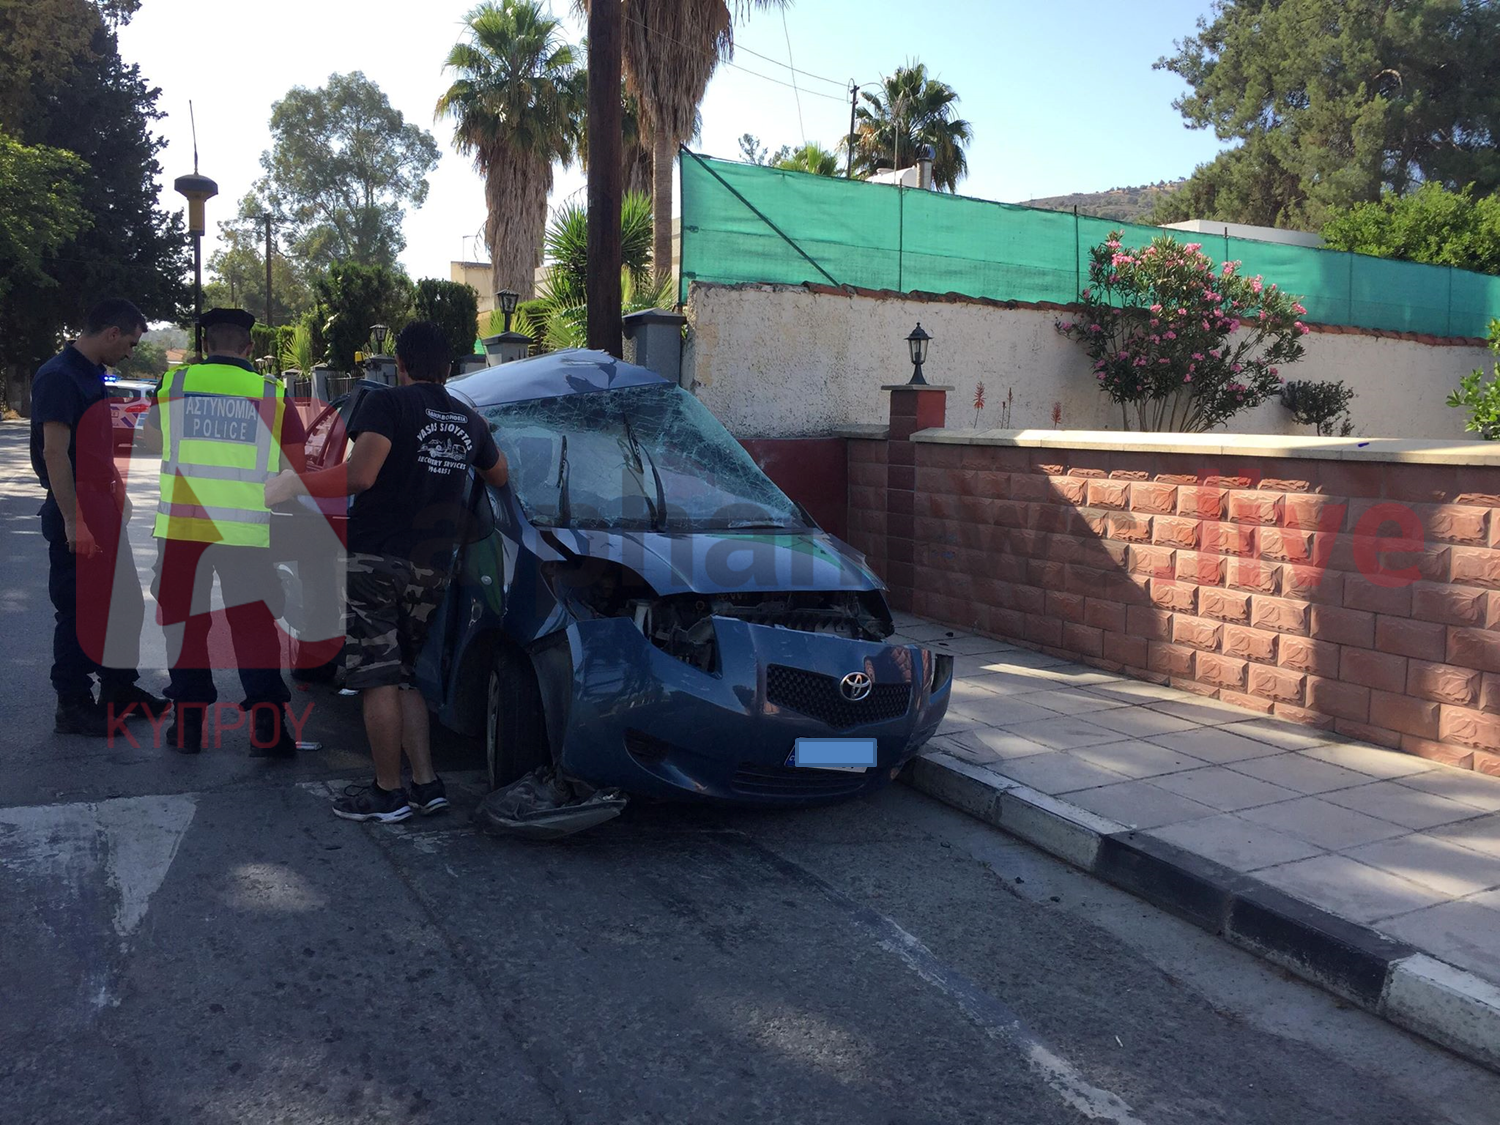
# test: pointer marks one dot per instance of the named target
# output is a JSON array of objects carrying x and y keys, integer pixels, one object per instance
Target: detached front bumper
[{"x": 655, "y": 726}]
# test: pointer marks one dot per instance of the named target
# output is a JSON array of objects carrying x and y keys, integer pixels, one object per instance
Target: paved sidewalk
[{"x": 1394, "y": 844}]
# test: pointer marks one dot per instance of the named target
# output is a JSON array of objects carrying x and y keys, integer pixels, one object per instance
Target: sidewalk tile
[
  {"x": 1223, "y": 789},
  {"x": 1463, "y": 786},
  {"x": 1072, "y": 701},
  {"x": 962, "y": 645},
  {"x": 1463, "y": 933},
  {"x": 924, "y": 631},
  {"x": 1002, "y": 744},
  {"x": 1140, "y": 722},
  {"x": 948, "y": 744},
  {"x": 1433, "y": 862},
  {"x": 1349, "y": 888},
  {"x": 1071, "y": 675},
  {"x": 1139, "y": 804},
  {"x": 1483, "y": 834},
  {"x": 1030, "y": 658},
  {"x": 1004, "y": 711},
  {"x": 1065, "y": 732},
  {"x": 1288, "y": 736},
  {"x": 1236, "y": 842},
  {"x": 1214, "y": 744},
  {"x": 1201, "y": 710},
  {"x": 1401, "y": 805},
  {"x": 1137, "y": 758},
  {"x": 1305, "y": 775},
  {"x": 1370, "y": 759},
  {"x": 1057, "y": 773},
  {"x": 1134, "y": 691},
  {"x": 1329, "y": 826}
]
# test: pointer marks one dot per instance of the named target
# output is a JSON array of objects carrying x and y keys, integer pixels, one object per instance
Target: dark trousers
[
  {"x": 247, "y": 583},
  {"x": 107, "y": 608}
]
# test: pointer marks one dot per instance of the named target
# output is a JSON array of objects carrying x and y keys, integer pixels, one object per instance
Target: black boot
[
  {"x": 270, "y": 736},
  {"x": 185, "y": 735},
  {"x": 77, "y": 713},
  {"x": 146, "y": 705}
]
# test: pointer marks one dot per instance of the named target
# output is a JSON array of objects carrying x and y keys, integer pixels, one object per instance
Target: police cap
[{"x": 239, "y": 318}]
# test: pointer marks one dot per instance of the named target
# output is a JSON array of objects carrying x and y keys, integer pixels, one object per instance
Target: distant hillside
[{"x": 1125, "y": 205}]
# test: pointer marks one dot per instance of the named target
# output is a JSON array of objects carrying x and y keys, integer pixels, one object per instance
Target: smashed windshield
[{"x": 649, "y": 457}]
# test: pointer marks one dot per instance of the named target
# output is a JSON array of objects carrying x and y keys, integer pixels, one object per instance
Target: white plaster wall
[{"x": 780, "y": 361}]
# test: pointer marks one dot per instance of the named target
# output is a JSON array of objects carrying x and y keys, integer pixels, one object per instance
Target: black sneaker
[
  {"x": 146, "y": 705},
  {"x": 430, "y": 798},
  {"x": 269, "y": 733},
  {"x": 370, "y": 802},
  {"x": 79, "y": 714},
  {"x": 185, "y": 735}
]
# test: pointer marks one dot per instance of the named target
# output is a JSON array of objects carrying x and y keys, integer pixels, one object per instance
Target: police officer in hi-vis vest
[{"x": 224, "y": 430}]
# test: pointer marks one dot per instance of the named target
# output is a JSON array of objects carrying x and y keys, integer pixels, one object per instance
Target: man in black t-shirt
[{"x": 413, "y": 446}]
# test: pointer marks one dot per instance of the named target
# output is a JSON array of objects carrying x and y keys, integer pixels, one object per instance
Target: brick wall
[{"x": 1361, "y": 596}]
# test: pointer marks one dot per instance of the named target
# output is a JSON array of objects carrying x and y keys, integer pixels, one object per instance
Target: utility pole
[
  {"x": 270, "y": 316},
  {"x": 853, "y": 101},
  {"x": 606, "y": 189}
]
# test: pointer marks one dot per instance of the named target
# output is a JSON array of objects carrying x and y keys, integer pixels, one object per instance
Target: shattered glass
[{"x": 605, "y": 460}]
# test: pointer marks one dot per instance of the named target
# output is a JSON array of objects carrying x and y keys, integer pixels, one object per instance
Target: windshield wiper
[
  {"x": 564, "y": 504},
  {"x": 641, "y": 453}
]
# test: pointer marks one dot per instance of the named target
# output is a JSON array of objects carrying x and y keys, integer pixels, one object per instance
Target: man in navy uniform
[{"x": 83, "y": 517}]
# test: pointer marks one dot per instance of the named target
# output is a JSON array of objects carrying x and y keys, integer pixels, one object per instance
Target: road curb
[{"x": 1387, "y": 978}]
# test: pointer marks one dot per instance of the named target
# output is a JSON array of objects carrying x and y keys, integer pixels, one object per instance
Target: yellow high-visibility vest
[{"x": 221, "y": 441}]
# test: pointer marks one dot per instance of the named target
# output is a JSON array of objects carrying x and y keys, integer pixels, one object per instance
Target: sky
[{"x": 1061, "y": 96}]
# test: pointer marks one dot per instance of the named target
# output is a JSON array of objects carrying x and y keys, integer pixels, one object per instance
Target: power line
[
  {"x": 737, "y": 66},
  {"x": 787, "y": 32}
]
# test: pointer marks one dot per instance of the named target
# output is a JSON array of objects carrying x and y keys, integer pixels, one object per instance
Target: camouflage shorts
[{"x": 391, "y": 602}]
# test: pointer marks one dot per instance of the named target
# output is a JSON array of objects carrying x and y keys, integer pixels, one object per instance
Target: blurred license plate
[{"x": 851, "y": 754}]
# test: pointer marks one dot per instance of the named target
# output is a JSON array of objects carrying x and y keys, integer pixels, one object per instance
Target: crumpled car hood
[{"x": 726, "y": 562}]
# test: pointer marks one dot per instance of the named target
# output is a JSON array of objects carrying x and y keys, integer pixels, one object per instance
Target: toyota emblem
[{"x": 855, "y": 686}]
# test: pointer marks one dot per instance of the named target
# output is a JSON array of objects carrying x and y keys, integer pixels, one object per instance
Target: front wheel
[{"x": 514, "y": 724}]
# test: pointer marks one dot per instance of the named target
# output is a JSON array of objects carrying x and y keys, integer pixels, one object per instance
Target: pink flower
[
  {"x": 1170, "y": 336},
  {"x": 1298, "y": 309},
  {"x": 1187, "y": 378},
  {"x": 1302, "y": 328},
  {"x": 1193, "y": 246},
  {"x": 1156, "y": 308},
  {"x": 1255, "y": 285},
  {"x": 1197, "y": 355},
  {"x": 1235, "y": 367}
]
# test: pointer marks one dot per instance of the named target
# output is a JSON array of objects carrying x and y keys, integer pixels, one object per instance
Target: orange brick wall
[{"x": 1266, "y": 583}]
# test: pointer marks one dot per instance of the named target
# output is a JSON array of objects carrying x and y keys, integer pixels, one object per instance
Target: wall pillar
[{"x": 913, "y": 408}]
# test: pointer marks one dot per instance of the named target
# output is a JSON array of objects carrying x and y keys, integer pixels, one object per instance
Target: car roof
[{"x": 570, "y": 372}]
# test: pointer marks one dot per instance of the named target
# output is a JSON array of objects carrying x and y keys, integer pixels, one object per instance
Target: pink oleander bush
[{"x": 1180, "y": 344}]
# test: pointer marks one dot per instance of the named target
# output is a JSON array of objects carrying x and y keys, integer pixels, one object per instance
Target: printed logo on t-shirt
[{"x": 444, "y": 444}]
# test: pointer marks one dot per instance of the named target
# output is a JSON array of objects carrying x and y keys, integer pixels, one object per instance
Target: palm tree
[
  {"x": 906, "y": 111},
  {"x": 670, "y": 51},
  {"x": 517, "y": 106},
  {"x": 811, "y": 157}
]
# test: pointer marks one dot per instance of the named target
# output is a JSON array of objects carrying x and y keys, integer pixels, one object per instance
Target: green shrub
[
  {"x": 1481, "y": 398},
  {"x": 1318, "y": 405}
]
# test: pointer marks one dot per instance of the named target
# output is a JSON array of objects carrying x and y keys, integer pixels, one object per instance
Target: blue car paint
[{"x": 704, "y": 727}]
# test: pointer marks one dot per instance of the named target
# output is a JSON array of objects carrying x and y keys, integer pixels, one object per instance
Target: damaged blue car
[{"x": 644, "y": 608}]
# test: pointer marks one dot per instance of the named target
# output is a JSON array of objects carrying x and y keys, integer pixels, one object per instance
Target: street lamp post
[
  {"x": 917, "y": 343},
  {"x": 198, "y": 190},
  {"x": 378, "y": 333},
  {"x": 506, "y": 301}
]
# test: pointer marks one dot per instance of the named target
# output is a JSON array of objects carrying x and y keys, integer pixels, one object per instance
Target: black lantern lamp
[
  {"x": 378, "y": 333},
  {"x": 917, "y": 343},
  {"x": 507, "y": 299}
]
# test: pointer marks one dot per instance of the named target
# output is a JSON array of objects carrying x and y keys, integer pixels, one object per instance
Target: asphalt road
[{"x": 198, "y": 940}]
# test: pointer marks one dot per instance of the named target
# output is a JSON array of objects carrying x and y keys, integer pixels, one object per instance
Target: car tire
[{"x": 514, "y": 723}]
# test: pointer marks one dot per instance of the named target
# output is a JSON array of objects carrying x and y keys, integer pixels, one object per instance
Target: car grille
[
  {"x": 818, "y": 697},
  {"x": 792, "y": 781}
]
